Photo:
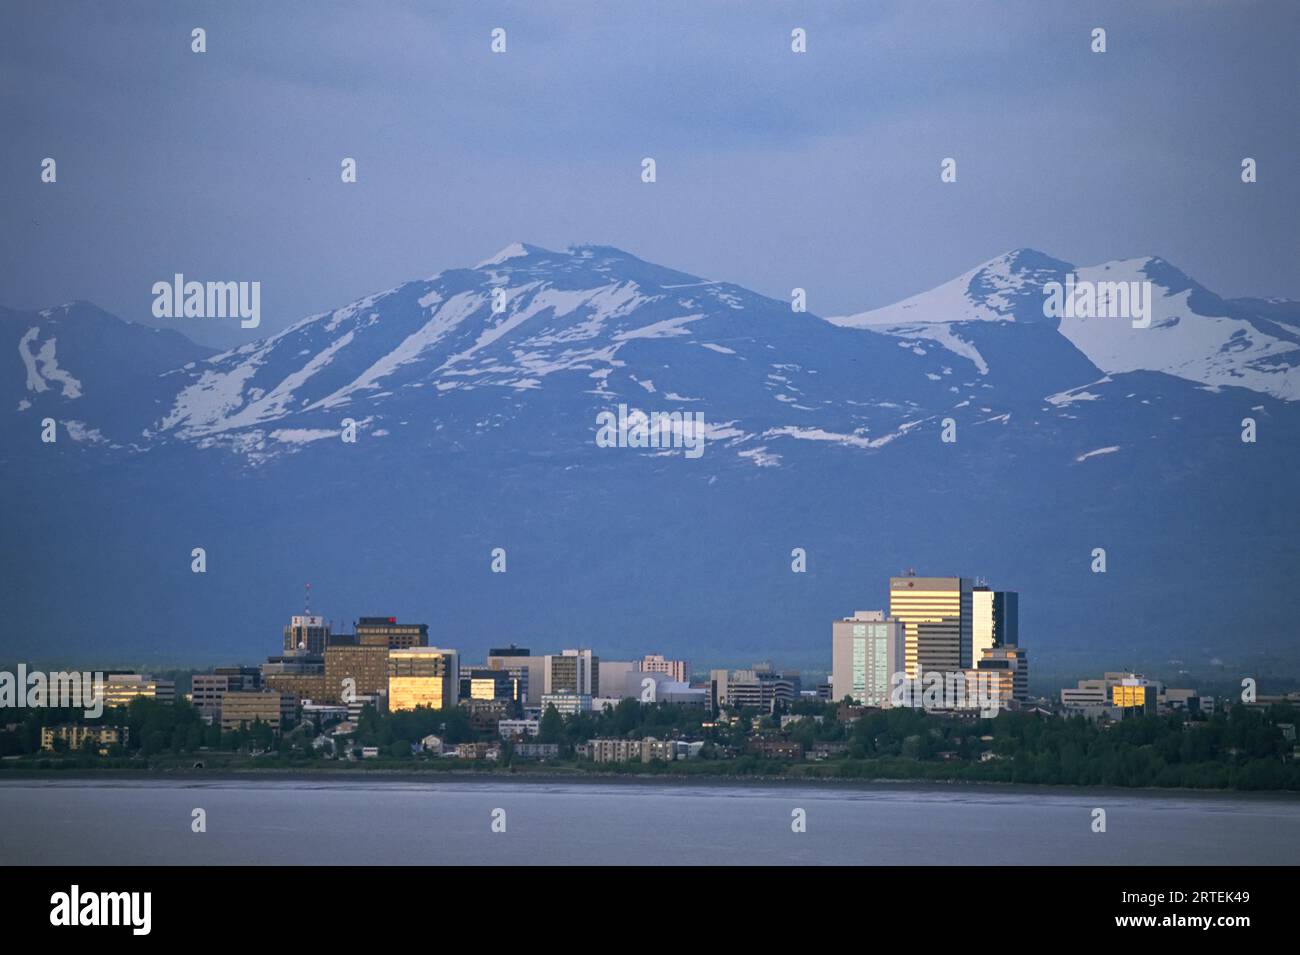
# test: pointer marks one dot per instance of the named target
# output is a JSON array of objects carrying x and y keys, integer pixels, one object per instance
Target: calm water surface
[{"x": 356, "y": 822}]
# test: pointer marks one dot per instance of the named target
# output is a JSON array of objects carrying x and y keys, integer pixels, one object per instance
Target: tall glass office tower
[{"x": 937, "y": 617}]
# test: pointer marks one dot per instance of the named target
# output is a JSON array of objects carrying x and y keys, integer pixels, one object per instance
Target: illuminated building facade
[
  {"x": 121, "y": 688},
  {"x": 937, "y": 617},
  {"x": 422, "y": 676}
]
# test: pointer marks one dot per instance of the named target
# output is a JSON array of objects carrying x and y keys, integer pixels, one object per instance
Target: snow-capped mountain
[
  {"x": 469, "y": 349},
  {"x": 1191, "y": 334},
  {"x": 476, "y": 393}
]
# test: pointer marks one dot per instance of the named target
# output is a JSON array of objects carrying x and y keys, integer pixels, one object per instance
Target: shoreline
[{"x": 718, "y": 781}]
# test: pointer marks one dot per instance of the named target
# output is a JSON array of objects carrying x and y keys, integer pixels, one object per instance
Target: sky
[{"x": 775, "y": 169}]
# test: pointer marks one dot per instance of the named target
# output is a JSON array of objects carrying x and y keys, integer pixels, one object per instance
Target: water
[{"x": 368, "y": 821}]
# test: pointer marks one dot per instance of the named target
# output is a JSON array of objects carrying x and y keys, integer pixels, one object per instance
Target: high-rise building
[
  {"x": 982, "y": 625},
  {"x": 937, "y": 618},
  {"x": 307, "y": 634},
  {"x": 387, "y": 632},
  {"x": 866, "y": 651},
  {"x": 365, "y": 666},
  {"x": 528, "y": 671},
  {"x": 679, "y": 671},
  {"x": 1006, "y": 618},
  {"x": 995, "y": 620},
  {"x": 422, "y": 676},
  {"x": 572, "y": 671}
]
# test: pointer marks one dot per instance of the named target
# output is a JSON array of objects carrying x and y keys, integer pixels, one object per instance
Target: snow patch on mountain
[
  {"x": 1111, "y": 449},
  {"x": 445, "y": 318},
  {"x": 43, "y": 366}
]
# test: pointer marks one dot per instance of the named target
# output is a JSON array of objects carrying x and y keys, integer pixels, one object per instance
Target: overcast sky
[{"x": 774, "y": 169}]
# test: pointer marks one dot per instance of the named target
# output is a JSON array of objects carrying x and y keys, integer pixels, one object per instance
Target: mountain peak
[
  {"x": 1025, "y": 259},
  {"x": 515, "y": 250}
]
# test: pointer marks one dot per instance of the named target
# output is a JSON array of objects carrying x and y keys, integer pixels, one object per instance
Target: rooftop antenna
[{"x": 306, "y": 608}]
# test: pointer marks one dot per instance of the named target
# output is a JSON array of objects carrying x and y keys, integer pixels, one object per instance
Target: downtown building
[
  {"x": 306, "y": 634},
  {"x": 760, "y": 687},
  {"x": 964, "y": 630},
  {"x": 998, "y": 659},
  {"x": 528, "y": 671},
  {"x": 866, "y": 651},
  {"x": 423, "y": 676},
  {"x": 352, "y": 671},
  {"x": 1119, "y": 693},
  {"x": 995, "y": 620},
  {"x": 243, "y": 708},
  {"x": 937, "y": 618},
  {"x": 483, "y": 684},
  {"x": 123, "y": 687},
  {"x": 207, "y": 689},
  {"x": 1006, "y": 670},
  {"x": 572, "y": 671},
  {"x": 388, "y": 633},
  {"x": 679, "y": 671},
  {"x": 297, "y": 674},
  {"x": 619, "y": 679}
]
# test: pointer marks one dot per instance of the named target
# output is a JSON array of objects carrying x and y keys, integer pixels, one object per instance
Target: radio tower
[{"x": 306, "y": 608}]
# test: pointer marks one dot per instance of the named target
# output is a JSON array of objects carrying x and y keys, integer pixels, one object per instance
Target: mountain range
[{"x": 474, "y": 395}]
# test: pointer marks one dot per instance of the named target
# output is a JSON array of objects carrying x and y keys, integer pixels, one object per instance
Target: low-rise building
[
  {"x": 776, "y": 748},
  {"x": 638, "y": 750},
  {"x": 512, "y": 729},
  {"x": 485, "y": 716},
  {"x": 77, "y": 735},
  {"x": 536, "y": 750},
  {"x": 244, "y": 708},
  {"x": 829, "y": 750},
  {"x": 567, "y": 704},
  {"x": 760, "y": 687},
  {"x": 322, "y": 713},
  {"x": 207, "y": 689}
]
